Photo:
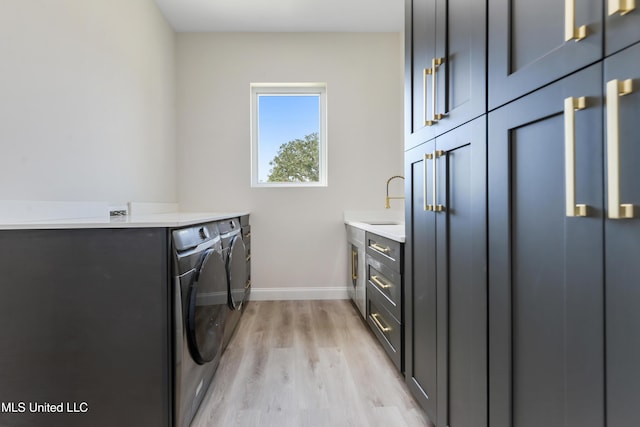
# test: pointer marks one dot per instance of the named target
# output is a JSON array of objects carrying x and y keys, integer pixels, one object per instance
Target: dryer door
[
  {"x": 237, "y": 272},
  {"x": 207, "y": 308}
]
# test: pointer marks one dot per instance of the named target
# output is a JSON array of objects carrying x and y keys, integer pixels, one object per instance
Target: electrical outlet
[{"x": 120, "y": 210}]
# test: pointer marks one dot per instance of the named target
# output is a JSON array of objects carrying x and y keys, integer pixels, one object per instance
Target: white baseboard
[{"x": 307, "y": 293}]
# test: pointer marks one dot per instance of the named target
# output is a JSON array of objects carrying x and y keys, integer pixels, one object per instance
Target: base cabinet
[
  {"x": 384, "y": 284},
  {"x": 446, "y": 276},
  {"x": 355, "y": 268}
]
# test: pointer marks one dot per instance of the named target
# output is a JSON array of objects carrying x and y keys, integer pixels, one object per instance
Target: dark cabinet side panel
[{"x": 86, "y": 316}]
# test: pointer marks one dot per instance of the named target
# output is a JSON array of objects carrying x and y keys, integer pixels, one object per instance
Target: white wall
[
  {"x": 87, "y": 94},
  {"x": 298, "y": 236}
]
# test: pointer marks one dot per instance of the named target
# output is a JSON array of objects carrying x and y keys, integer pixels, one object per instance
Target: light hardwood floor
[{"x": 306, "y": 363}]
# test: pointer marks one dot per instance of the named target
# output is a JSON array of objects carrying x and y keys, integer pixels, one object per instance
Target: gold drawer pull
[
  {"x": 374, "y": 316},
  {"x": 377, "y": 247},
  {"x": 378, "y": 282},
  {"x": 621, "y": 6}
]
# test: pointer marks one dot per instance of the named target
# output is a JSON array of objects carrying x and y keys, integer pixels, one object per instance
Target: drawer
[
  {"x": 386, "y": 328},
  {"x": 385, "y": 250},
  {"x": 387, "y": 283}
]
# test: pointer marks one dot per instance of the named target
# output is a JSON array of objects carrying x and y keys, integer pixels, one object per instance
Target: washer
[
  {"x": 200, "y": 312},
  {"x": 235, "y": 256}
]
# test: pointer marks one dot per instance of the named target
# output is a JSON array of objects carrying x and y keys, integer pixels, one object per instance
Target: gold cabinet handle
[
  {"x": 427, "y": 71},
  {"x": 374, "y": 316},
  {"x": 436, "y": 207},
  {"x": 380, "y": 284},
  {"x": 354, "y": 259},
  {"x": 621, "y": 6},
  {"x": 615, "y": 89},
  {"x": 571, "y": 104},
  {"x": 570, "y": 30},
  {"x": 427, "y": 207},
  {"x": 379, "y": 248},
  {"x": 435, "y": 63}
]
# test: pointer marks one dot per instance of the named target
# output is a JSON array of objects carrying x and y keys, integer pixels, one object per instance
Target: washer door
[
  {"x": 237, "y": 272},
  {"x": 207, "y": 308}
]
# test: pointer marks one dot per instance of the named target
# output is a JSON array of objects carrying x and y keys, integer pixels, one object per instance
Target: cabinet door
[
  {"x": 420, "y": 279},
  {"x": 622, "y": 26},
  {"x": 622, "y": 245},
  {"x": 462, "y": 276},
  {"x": 545, "y": 270},
  {"x": 420, "y": 36},
  {"x": 528, "y": 47},
  {"x": 461, "y": 43}
]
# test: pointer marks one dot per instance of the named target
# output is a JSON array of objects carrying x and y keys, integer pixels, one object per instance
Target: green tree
[{"x": 296, "y": 161}]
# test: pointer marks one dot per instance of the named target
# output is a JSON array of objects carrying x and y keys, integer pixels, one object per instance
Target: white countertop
[
  {"x": 394, "y": 231},
  {"x": 173, "y": 219}
]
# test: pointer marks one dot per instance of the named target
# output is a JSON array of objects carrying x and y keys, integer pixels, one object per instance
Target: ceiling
[{"x": 284, "y": 15}]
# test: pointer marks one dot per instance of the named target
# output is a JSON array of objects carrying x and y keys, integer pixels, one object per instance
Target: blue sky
[{"x": 281, "y": 119}]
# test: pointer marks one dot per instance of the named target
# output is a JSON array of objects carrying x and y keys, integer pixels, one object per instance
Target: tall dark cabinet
[
  {"x": 523, "y": 287},
  {"x": 445, "y": 347},
  {"x": 445, "y": 250}
]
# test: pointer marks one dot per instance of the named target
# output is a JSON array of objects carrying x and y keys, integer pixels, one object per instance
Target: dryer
[
  {"x": 235, "y": 257},
  {"x": 200, "y": 312}
]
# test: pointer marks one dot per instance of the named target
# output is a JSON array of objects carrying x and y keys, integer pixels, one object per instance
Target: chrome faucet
[{"x": 387, "y": 205}]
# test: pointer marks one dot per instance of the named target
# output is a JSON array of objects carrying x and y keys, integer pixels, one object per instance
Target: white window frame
[{"x": 317, "y": 89}]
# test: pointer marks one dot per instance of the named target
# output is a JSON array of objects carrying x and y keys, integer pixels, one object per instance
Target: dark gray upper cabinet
[
  {"x": 533, "y": 43},
  {"x": 622, "y": 239},
  {"x": 546, "y": 272},
  {"x": 445, "y": 43},
  {"x": 446, "y": 312},
  {"x": 622, "y": 24}
]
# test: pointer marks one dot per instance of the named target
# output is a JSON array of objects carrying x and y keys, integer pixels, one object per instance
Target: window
[{"x": 288, "y": 135}]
